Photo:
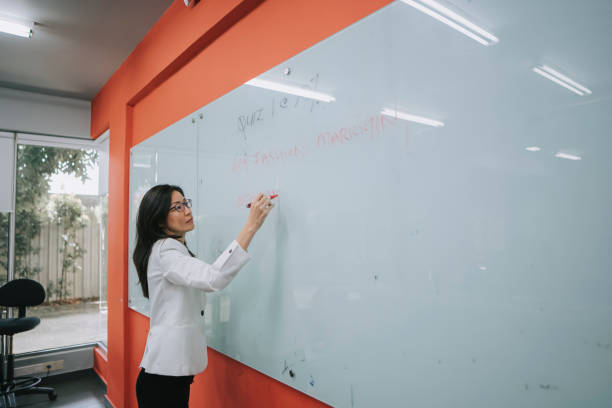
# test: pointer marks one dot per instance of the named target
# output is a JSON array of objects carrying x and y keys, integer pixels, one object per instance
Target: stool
[{"x": 18, "y": 293}]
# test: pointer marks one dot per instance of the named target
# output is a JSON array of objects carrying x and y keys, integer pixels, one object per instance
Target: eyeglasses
[{"x": 180, "y": 207}]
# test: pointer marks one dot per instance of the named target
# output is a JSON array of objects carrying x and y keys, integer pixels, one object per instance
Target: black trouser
[{"x": 162, "y": 391}]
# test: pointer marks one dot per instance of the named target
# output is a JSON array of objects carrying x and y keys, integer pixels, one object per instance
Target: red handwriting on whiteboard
[
  {"x": 267, "y": 157},
  {"x": 273, "y": 156},
  {"x": 373, "y": 127}
]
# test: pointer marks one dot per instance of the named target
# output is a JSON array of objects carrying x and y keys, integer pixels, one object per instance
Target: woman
[{"x": 175, "y": 282}]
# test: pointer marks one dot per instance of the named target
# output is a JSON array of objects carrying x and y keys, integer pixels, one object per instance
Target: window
[{"x": 60, "y": 242}]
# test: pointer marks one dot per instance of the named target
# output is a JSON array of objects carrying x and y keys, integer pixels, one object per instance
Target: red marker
[{"x": 271, "y": 197}]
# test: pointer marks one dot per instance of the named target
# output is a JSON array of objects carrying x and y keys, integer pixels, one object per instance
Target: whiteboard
[{"x": 405, "y": 264}]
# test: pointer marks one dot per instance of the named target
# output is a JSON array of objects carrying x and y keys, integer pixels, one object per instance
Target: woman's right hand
[{"x": 260, "y": 208}]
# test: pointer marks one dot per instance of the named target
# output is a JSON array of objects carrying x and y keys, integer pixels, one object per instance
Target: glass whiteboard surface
[
  {"x": 409, "y": 265},
  {"x": 169, "y": 157}
]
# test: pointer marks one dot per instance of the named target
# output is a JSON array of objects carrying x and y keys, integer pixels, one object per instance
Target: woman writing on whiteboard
[{"x": 174, "y": 281}]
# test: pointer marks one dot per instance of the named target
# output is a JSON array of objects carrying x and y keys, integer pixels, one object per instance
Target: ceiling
[{"x": 76, "y": 46}]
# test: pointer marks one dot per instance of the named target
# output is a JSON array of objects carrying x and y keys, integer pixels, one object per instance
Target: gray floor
[{"x": 82, "y": 389}]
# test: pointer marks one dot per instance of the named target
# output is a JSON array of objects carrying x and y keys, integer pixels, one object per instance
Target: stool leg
[
  {"x": 8, "y": 401},
  {"x": 11, "y": 401},
  {"x": 6, "y": 372},
  {"x": 4, "y": 383},
  {"x": 2, "y": 354},
  {"x": 10, "y": 363},
  {"x": 39, "y": 390},
  {"x": 10, "y": 368}
]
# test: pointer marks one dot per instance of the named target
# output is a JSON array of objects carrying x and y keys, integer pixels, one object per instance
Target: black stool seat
[{"x": 12, "y": 326}]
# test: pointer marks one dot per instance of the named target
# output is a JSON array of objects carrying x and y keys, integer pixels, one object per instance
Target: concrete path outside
[{"x": 63, "y": 325}]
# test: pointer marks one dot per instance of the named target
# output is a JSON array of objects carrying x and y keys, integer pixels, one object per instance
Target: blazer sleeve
[{"x": 182, "y": 269}]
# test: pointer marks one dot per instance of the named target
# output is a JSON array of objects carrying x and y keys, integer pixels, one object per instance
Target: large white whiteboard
[{"x": 407, "y": 265}]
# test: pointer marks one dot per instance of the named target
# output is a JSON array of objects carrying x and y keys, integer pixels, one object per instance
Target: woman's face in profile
[{"x": 180, "y": 218}]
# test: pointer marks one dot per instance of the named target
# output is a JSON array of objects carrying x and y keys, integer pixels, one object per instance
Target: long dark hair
[{"x": 150, "y": 226}]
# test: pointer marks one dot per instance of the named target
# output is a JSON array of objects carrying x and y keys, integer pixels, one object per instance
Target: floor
[
  {"x": 63, "y": 325},
  {"x": 82, "y": 389}
]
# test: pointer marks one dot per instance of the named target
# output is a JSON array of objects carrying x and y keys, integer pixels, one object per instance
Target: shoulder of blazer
[{"x": 171, "y": 243}]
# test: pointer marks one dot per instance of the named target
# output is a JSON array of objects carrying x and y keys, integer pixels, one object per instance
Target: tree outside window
[{"x": 35, "y": 206}]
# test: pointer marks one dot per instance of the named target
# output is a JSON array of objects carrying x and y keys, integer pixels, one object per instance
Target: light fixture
[
  {"x": 293, "y": 90},
  {"x": 15, "y": 28},
  {"x": 411, "y": 118},
  {"x": 558, "y": 78},
  {"x": 533, "y": 149},
  {"x": 460, "y": 23},
  {"x": 567, "y": 156}
]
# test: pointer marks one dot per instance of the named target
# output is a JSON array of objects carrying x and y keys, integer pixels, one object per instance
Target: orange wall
[
  {"x": 188, "y": 59},
  {"x": 101, "y": 363}
]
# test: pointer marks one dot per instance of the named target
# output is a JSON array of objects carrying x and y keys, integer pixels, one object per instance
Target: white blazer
[{"x": 176, "y": 344}]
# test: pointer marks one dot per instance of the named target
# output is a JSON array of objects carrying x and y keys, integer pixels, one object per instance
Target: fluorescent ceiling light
[
  {"x": 561, "y": 79},
  {"x": 460, "y": 24},
  {"x": 533, "y": 149},
  {"x": 567, "y": 156},
  {"x": 14, "y": 28},
  {"x": 411, "y": 118},
  {"x": 293, "y": 90},
  {"x": 461, "y": 20},
  {"x": 566, "y": 79}
]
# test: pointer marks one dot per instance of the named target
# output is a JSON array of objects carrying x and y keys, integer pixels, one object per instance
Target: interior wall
[
  {"x": 188, "y": 59},
  {"x": 29, "y": 112}
]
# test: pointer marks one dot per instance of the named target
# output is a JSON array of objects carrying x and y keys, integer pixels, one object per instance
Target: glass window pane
[{"x": 59, "y": 219}]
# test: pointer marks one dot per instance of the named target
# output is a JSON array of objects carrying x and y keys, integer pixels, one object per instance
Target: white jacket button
[{"x": 201, "y": 312}]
